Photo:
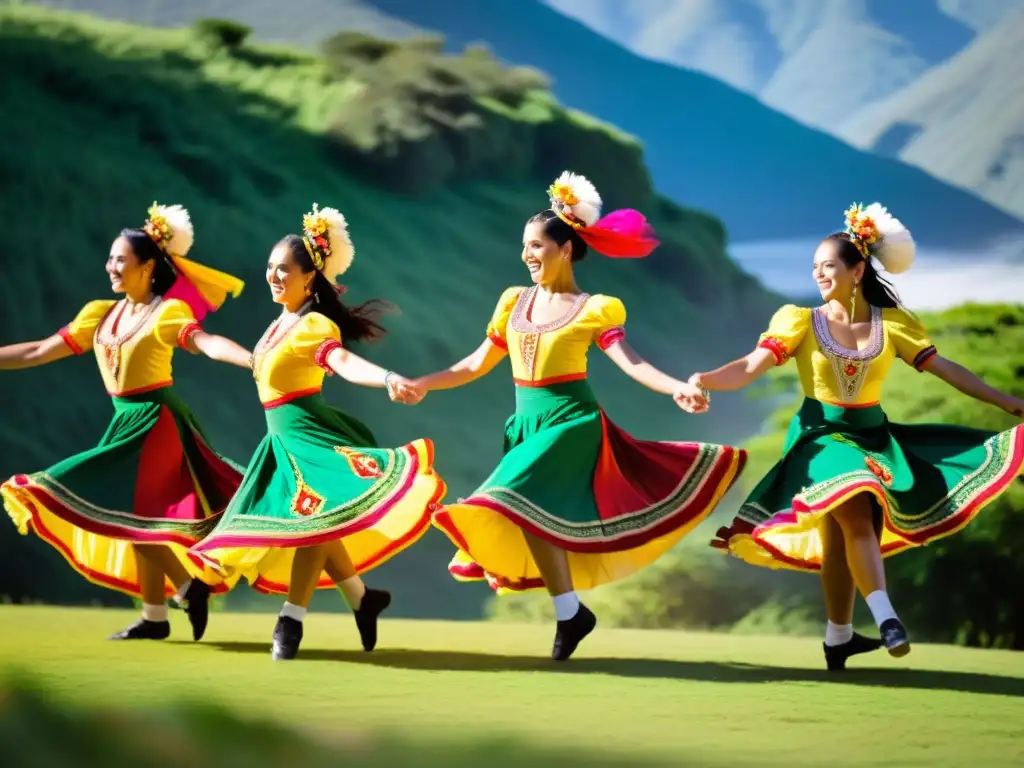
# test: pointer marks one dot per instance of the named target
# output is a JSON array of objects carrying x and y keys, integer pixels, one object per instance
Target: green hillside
[
  {"x": 100, "y": 118},
  {"x": 766, "y": 175}
]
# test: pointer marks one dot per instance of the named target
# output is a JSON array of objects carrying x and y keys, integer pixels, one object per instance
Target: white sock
[
  {"x": 881, "y": 608},
  {"x": 353, "y": 589},
  {"x": 179, "y": 596},
  {"x": 293, "y": 611},
  {"x": 154, "y": 612},
  {"x": 566, "y": 606},
  {"x": 837, "y": 634}
]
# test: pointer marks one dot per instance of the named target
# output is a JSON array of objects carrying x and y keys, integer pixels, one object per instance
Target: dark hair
[
  {"x": 355, "y": 323},
  {"x": 145, "y": 250},
  {"x": 560, "y": 232},
  {"x": 876, "y": 290}
]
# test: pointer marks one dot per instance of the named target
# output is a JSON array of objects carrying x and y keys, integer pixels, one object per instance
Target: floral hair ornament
[
  {"x": 202, "y": 288},
  {"x": 325, "y": 235},
  {"x": 623, "y": 234},
  {"x": 878, "y": 233}
]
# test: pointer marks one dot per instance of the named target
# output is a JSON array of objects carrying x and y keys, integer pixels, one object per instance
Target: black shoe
[
  {"x": 144, "y": 630},
  {"x": 895, "y": 638},
  {"x": 836, "y": 655},
  {"x": 370, "y": 607},
  {"x": 287, "y": 636},
  {"x": 571, "y": 631},
  {"x": 196, "y": 604}
]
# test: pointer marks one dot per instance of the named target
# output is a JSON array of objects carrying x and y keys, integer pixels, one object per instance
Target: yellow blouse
[
  {"x": 290, "y": 360},
  {"x": 556, "y": 351},
  {"x": 833, "y": 374},
  {"x": 134, "y": 352}
]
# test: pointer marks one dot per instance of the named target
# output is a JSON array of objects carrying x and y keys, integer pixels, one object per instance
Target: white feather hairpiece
[
  {"x": 882, "y": 236},
  {"x": 170, "y": 227},
  {"x": 575, "y": 199},
  {"x": 326, "y": 236}
]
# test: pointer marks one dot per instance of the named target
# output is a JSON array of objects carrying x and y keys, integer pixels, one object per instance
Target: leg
[
  {"x": 856, "y": 518},
  {"x": 306, "y": 568},
  {"x": 192, "y": 595},
  {"x": 366, "y": 603},
  {"x": 154, "y": 624},
  {"x": 841, "y": 642},
  {"x": 575, "y": 620}
]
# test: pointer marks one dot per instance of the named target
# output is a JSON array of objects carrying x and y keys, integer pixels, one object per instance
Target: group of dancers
[{"x": 155, "y": 512}]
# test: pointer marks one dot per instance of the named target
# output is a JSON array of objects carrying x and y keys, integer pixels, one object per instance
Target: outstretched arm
[
  {"x": 470, "y": 368},
  {"x": 739, "y": 373},
  {"x": 970, "y": 384},
  {"x": 362, "y": 372},
  {"x": 31, "y": 354},
  {"x": 687, "y": 396},
  {"x": 219, "y": 348}
]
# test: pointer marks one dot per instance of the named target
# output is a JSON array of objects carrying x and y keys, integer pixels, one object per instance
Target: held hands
[
  {"x": 692, "y": 397},
  {"x": 403, "y": 390}
]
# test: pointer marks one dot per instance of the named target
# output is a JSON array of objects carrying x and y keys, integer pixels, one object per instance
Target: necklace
[
  {"x": 268, "y": 341},
  {"x": 110, "y": 342}
]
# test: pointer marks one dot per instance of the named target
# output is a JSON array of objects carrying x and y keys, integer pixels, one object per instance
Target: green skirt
[
  {"x": 318, "y": 476},
  {"x": 571, "y": 477},
  {"x": 928, "y": 480},
  {"x": 151, "y": 479}
]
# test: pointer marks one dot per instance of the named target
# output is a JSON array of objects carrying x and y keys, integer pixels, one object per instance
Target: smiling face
[
  {"x": 127, "y": 274},
  {"x": 834, "y": 278},
  {"x": 286, "y": 279},
  {"x": 544, "y": 258}
]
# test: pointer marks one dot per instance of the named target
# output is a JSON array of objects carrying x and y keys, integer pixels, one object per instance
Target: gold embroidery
[
  {"x": 528, "y": 343},
  {"x": 305, "y": 501},
  {"x": 362, "y": 465}
]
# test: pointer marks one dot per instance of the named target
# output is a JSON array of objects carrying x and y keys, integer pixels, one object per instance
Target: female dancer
[
  {"x": 847, "y": 475},
  {"x": 318, "y": 493},
  {"x": 125, "y": 513},
  {"x": 575, "y": 502}
]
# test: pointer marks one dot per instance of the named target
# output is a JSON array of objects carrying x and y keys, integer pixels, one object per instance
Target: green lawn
[{"x": 631, "y": 695}]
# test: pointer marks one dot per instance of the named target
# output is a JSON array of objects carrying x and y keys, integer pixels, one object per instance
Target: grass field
[{"x": 629, "y": 696}]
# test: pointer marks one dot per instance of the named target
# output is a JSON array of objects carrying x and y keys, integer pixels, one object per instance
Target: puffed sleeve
[
  {"x": 79, "y": 332},
  {"x": 499, "y": 320},
  {"x": 609, "y": 321},
  {"x": 314, "y": 338},
  {"x": 908, "y": 337},
  {"x": 786, "y": 330},
  {"x": 176, "y": 325}
]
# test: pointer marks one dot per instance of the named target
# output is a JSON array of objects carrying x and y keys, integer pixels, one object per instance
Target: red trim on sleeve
[
  {"x": 323, "y": 351},
  {"x": 777, "y": 348},
  {"x": 498, "y": 341},
  {"x": 65, "y": 334},
  {"x": 186, "y": 333},
  {"x": 611, "y": 336}
]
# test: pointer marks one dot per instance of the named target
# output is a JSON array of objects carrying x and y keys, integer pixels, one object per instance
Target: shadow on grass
[{"x": 704, "y": 671}]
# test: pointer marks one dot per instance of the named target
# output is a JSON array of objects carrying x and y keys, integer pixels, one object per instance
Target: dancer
[
  {"x": 852, "y": 487},
  {"x": 575, "y": 502},
  {"x": 125, "y": 513},
  {"x": 318, "y": 493}
]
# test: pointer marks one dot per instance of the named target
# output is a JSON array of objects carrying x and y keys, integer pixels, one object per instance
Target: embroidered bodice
[
  {"x": 557, "y": 351},
  {"x": 832, "y": 373},
  {"x": 133, "y": 350},
  {"x": 290, "y": 361}
]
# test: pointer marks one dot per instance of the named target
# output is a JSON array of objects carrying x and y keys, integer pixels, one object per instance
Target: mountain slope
[
  {"x": 101, "y": 118},
  {"x": 963, "y": 121},
  {"x": 708, "y": 146}
]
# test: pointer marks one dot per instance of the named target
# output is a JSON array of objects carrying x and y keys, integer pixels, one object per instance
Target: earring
[
  {"x": 853, "y": 302},
  {"x": 308, "y": 290}
]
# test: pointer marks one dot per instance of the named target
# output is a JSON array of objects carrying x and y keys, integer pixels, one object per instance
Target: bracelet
[{"x": 387, "y": 380}]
